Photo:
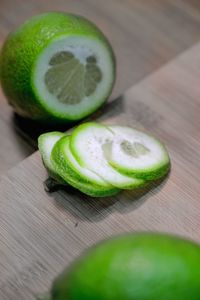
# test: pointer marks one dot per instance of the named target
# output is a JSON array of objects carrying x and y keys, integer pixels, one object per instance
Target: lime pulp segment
[{"x": 69, "y": 80}]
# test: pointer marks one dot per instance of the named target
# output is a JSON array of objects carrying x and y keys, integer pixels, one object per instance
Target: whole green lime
[
  {"x": 144, "y": 266},
  {"x": 57, "y": 67}
]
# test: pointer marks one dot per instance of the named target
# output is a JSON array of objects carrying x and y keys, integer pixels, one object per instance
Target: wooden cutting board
[{"x": 40, "y": 233}]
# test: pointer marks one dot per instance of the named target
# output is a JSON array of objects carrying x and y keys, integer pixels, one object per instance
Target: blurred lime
[
  {"x": 57, "y": 67},
  {"x": 133, "y": 267}
]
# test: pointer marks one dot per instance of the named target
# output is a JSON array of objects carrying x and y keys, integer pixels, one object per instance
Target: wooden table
[
  {"x": 41, "y": 232},
  {"x": 145, "y": 35}
]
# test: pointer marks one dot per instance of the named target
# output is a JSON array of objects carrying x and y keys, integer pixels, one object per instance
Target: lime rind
[
  {"x": 46, "y": 142},
  {"x": 66, "y": 166},
  {"x": 90, "y": 138},
  {"x": 147, "y": 174},
  {"x": 83, "y": 173},
  {"x": 81, "y": 129}
]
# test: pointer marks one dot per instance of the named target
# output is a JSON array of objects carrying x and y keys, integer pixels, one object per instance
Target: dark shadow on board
[
  {"x": 30, "y": 130},
  {"x": 86, "y": 208}
]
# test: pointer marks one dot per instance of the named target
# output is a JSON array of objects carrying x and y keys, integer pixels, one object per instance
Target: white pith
[
  {"x": 84, "y": 172},
  {"x": 155, "y": 156},
  {"x": 81, "y": 47},
  {"x": 88, "y": 146},
  {"x": 46, "y": 146}
]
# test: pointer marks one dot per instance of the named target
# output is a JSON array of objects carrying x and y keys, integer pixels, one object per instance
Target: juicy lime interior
[
  {"x": 135, "y": 149},
  {"x": 74, "y": 75},
  {"x": 69, "y": 80}
]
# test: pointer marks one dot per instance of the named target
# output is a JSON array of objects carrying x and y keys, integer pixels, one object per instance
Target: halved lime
[{"x": 57, "y": 67}]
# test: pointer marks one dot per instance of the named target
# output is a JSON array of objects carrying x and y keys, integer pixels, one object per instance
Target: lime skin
[{"x": 141, "y": 266}]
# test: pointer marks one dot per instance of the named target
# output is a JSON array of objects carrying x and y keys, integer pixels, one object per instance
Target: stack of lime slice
[{"x": 101, "y": 160}]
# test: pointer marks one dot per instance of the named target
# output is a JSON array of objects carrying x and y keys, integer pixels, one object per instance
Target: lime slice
[
  {"x": 101, "y": 160},
  {"x": 57, "y": 67},
  {"x": 46, "y": 142},
  {"x": 65, "y": 164},
  {"x": 138, "y": 154},
  {"x": 87, "y": 143}
]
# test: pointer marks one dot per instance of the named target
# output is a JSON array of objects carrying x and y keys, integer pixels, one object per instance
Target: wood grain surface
[
  {"x": 145, "y": 35},
  {"x": 40, "y": 233}
]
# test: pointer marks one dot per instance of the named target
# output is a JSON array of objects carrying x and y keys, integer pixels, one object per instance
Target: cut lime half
[
  {"x": 73, "y": 76},
  {"x": 57, "y": 67}
]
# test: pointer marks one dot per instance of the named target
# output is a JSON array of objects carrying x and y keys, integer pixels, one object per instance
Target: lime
[
  {"x": 88, "y": 143},
  {"x": 57, "y": 67},
  {"x": 143, "y": 266},
  {"x": 136, "y": 153},
  {"x": 46, "y": 143},
  {"x": 65, "y": 164}
]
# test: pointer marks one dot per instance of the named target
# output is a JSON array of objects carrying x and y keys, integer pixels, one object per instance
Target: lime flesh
[{"x": 69, "y": 80}]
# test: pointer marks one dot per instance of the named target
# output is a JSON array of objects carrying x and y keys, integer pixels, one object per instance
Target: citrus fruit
[
  {"x": 65, "y": 164},
  {"x": 57, "y": 67},
  {"x": 138, "y": 154},
  {"x": 101, "y": 160},
  {"x": 143, "y": 266},
  {"x": 46, "y": 142},
  {"x": 87, "y": 143}
]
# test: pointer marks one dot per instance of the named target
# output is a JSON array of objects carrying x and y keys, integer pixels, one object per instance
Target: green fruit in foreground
[
  {"x": 57, "y": 67},
  {"x": 145, "y": 266}
]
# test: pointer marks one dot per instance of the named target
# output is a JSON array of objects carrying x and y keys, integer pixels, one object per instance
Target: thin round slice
[
  {"x": 88, "y": 143},
  {"x": 46, "y": 142},
  {"x": 57, "y": 67},
  {"x": 69, "y": 169},
  {"x": 138, "y": 154}
]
